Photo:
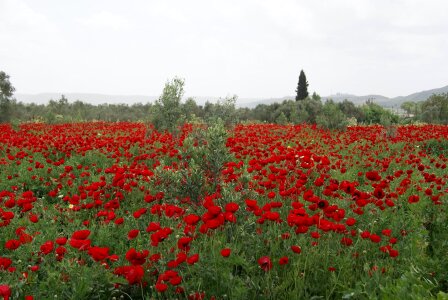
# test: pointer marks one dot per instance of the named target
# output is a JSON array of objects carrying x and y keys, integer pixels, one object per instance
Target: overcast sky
[{"x": 251, "y": 48}]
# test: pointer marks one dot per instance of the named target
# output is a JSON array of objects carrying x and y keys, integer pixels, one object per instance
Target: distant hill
[
  {"x": 379, "y": 99},
  {"x": 421, "y": 96},
  {"x": 43, "y": 98}
]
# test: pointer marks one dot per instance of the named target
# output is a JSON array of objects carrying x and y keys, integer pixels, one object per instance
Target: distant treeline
[
  {"x": 310, "y": 110},
  {"x": 168, "y": 111}
]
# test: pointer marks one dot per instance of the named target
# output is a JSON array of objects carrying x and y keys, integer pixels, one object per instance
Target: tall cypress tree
[{"x": 302, "y": 87}]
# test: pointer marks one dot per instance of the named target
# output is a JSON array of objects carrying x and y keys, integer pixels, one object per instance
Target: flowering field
[{"x": 118, "y": 210}]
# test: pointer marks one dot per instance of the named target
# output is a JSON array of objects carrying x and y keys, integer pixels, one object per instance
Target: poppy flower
[
  {"x": 47, "y": 247},
  {"x": 225, "y": 252},
  {"x": 283, "y": 260},
  {"x": 192, "y": 219},
  {"x": 393, "y": 253},
  {"x": 373, "y": 176},
  {"x": 350, "y": 222},
  {"x": 12, "y": 244},
  {"x": 184, "y": 243},
  {"x": 413, "y": 199},
  {"x": 296, "y": 249},
  {"x": 231, "y": 207},
  {"x": 61, "y": 241},
  {"x": 386, "y": 232},
  {"x": 265, "y": 263},
  {"x": 135, "y": 274},
  {"x": 99, "y": 253},
  {"x": 5, "y": 263},
  {"x": 81, "y": 234},
  {"x": 193, "y": 259},
  {"x": 346, "y": 241},
  {"x": 133, "y": 233},
  {"x": 5, "y": 291},
  {"x": 161, "y": 287},
  {"x": 375, "y": 238},
  {"x": 136, "y": 257}
]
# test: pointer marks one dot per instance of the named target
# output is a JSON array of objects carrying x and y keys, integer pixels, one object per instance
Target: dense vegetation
[
  {"x": 262, "y": 211},
  {"x": 308, "y": 110},
  {"x": 187, "y": 204}
]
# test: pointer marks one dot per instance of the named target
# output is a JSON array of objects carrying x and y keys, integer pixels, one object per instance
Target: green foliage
[
  {"x": 375, "y": 114},
  {"x": 224, "y": 109},
  {"x": 308, "y": 110},
  {"x": 6, "y": 92},
  {"x": 302, "y": 87},
  {"x": 436, "y": 147},
  {"x": 315, "y": 96},
  {"x": 216, "y": 152},
  {"x": 281, "y": 119},
  {"x": 167, "y": 111},
  {"x": 350, "y": 110},
  {"x": 331, "y": 117},
  {"x": 411, "y": 108},
  {"x": 411, "y": 285},
  {"x": 435, "y": 109}
]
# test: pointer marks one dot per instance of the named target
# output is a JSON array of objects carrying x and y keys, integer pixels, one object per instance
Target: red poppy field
[{"x": 120, "y": 211}]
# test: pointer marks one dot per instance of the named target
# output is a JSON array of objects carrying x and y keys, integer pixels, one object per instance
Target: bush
[{"x": 332, "y": 117}]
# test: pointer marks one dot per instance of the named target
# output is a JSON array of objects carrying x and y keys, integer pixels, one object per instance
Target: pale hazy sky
[{"x": 251, "y": 48}]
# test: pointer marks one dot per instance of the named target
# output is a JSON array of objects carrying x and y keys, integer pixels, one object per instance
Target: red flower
[
  {"x": 12, "y": 244},
  {"x": 176, "y": 280},
  {"x": 61, "y": 241},
  {"x": 265, "y": 263},
  {"x": 33, "y": 218},
  {"x": 99, "y": 253},
  {"x": 365, "y": 234},
  {"x": 193, "y": 259},
  {"x": 60, "y": 252},
  {"x": 5, "y": 291},
  {"x": 315, "y": 235},
  {"x": 136, "y": 258},
  {"x": 153, "y": 226},
  {"x": 133, "y": 233},
  {"x": 192, "y": 219},
  {"x": 373, "y": 175},
  {"x": 161, "y": 287},
  {"x": 375, "y": 238},
  {"x": 393, "y": 253},
  {"x": 283, "y": 260},
  {"x": 225, "y": 252},
  {"x": 350, "y": 222},
  {"x": 346, "y": 241},
  {"x": 386, "y": 232},
  {"x": 47, "y": 247},
  {"x": 5, "y": 263},
  {"x": 184, "y": 243},
  {"x": 119, "y": 221},
  {"x": 80, "y": 244},
  {"x": 81, "y": 234},
  {"x": 413, "y": 199},
  {"x": 296, "y": 249},
  {"x": 133, "y": 274},
  {"x": 232, "y": 207}
]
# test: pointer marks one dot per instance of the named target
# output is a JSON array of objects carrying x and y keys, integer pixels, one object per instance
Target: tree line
[
  {"x": 170, "y": 109},
  {"x": 433, "y": 110}
]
